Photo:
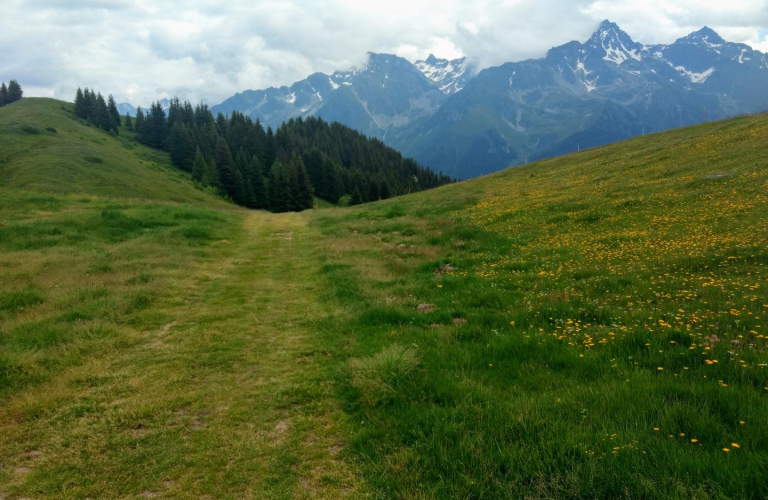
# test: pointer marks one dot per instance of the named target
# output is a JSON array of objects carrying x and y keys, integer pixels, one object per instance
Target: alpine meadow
[{"x": 265, "y": 299}]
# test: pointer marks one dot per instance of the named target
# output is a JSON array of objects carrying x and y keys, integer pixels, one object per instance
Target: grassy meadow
[
  {"x": 599, "y": 328},
  {"x": 592, "y": 326}
]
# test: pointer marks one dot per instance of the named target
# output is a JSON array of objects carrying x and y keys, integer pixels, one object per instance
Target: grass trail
[{"x": 227, "y": 398}]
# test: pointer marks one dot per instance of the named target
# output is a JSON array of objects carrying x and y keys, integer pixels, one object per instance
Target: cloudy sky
[{"x": 140, "y": 50}]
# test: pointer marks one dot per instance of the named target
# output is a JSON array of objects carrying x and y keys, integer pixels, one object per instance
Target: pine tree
[
  {"x": 81, "y": 110},
  {"x": 3, "y": 94},
  {"x": 140, "y": 126},
  {"x": 200, "y": 169},
  {"x": 226, "y": 168},
  {"x": 181, "y": 147},
  {"x": 305, "y": 194},
  {"x": 259, "y": 185},
  {"x": 279, "y": 192},
  {"x": 101, "y": 117},
  {"x": 357, "y": 198},
  {"x": 113, "y": 112},
  {"x": 128, "y": 122},
  {"x": 373, "y": 190},
  {"x": 384, "y": 192},
  {"x": 14, "y": 91}
]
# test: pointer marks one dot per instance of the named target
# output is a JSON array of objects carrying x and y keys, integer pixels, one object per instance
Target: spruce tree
[
  {"x": 335, "y": 184},
  {"x": 128, "y": 122},
  {"x": 384, "y": 192},
  {"x": 279, "y": 192},
  {"x": 101, "y": 117},
  {"x": 181, "y": 147},
  {"x": 226, "y": 168},
  {"x": 14, "y": 91},
  {"x": 140, "y": 126},
  {"x": 259, "y": 185},
  {"x": 200, "y": 168},
  {"x": 113, "y": 112},
  {"x": 81, "y": 110},
  {"x": 3, "y": 94},
  {"x": 357, "y": 198},
  {"x": 305, "y": 196},
  {"x": 373, "y": 190}
]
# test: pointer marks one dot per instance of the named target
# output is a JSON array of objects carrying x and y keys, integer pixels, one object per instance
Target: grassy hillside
[
  {"x": 599, "y": 330},
  {"x": 592, "y": 326},
  {"x": 45, "y": 148}
]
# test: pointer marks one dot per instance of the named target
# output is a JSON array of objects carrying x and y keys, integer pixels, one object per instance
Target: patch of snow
[
  {"x": 695, "y": 77},
  {"x": 742, "y": 58},
  {"x": 334, "y": 85},
  {"x": 291, "y": 98},
  {"x": 346, "y": 83}
]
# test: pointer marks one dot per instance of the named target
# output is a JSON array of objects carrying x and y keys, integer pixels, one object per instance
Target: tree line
[
  {"x": 10, "y": 93},
  {"x": 102, "y": 113},
  {"x": 281, "y": 170}
]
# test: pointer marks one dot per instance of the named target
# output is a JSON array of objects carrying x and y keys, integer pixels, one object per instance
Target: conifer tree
[
  {"x": 14, "y": 92},
  {"x": 373, "y": 190},
  {"x": 101, "y": 117},
  {"x": 226, "y": 168},
  {"x": 81, "y": 110},
  {"x": 200, "y": 168},
  {"x": 140, "y": 125},
  {"x": 128, "y": 122},
  {"x": 259, "y": 185},
  {"x": 384, "y": 190},
  {"x": 113, "y": 112},
  {"x": 305, "y": 196},
  {"x": 181, "y": 147},
  {"x": 279, "y": 192},
  {"x": 3, "y": 94},
  {"x": 357, "y": 198}
]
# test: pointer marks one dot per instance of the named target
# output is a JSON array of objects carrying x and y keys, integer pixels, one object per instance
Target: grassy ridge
[
  {"x": 45, "y": 148},
  {"x": 600, "y": 332}
]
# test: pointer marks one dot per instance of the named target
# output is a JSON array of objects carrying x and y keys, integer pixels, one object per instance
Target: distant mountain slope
[
  {"x": 583, "y": 95},
  {"x": 44, "y": 147},
  {"x": 384, "y": 93}
]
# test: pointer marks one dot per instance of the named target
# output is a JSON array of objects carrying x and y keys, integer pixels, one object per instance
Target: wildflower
[
  {"x": 512, "y": 323},
  {"x": 735, "y": 445},
  {"x": 741, "y": 422},
  {"x": 661, "y": 369},
  {"x": 656, "y": 428},
  {"x": 727, "y": 450},
  {"x": 694, "y": 440}
]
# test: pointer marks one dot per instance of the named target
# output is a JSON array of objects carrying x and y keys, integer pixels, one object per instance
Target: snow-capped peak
[
  {"x": 449, "y": 76},
  {"x": 615, "y": 45}
]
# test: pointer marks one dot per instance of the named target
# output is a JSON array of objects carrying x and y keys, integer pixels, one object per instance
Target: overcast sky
[{"x": 140, "y": 50}]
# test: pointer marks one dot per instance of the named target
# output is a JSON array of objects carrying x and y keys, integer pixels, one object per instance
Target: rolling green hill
[
  {"x": 590, "y": 326},
  {"x": 45, "y": 148}
]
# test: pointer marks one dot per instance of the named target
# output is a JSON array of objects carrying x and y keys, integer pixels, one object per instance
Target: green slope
[
  {"x": 45, "y": 148},
  {"x": 601, "y": 331}
]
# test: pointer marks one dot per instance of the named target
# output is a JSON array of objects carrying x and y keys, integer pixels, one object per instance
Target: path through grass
[{"x": 210, "y": 387}]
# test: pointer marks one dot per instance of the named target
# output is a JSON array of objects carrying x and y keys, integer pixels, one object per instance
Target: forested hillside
[{"x": 279, "y": 171}]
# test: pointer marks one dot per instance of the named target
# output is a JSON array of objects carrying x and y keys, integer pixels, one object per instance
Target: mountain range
[{"x": 466, "y": 123}]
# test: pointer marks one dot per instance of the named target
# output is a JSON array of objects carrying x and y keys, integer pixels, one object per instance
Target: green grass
[
  {"x": 592, "y": 326},
  {"x": 591, "y": 287},
  {"x": 45, "y": 148}
]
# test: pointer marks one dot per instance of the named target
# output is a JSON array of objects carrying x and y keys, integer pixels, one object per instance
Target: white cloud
[{"x": 141, "y": 50}]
